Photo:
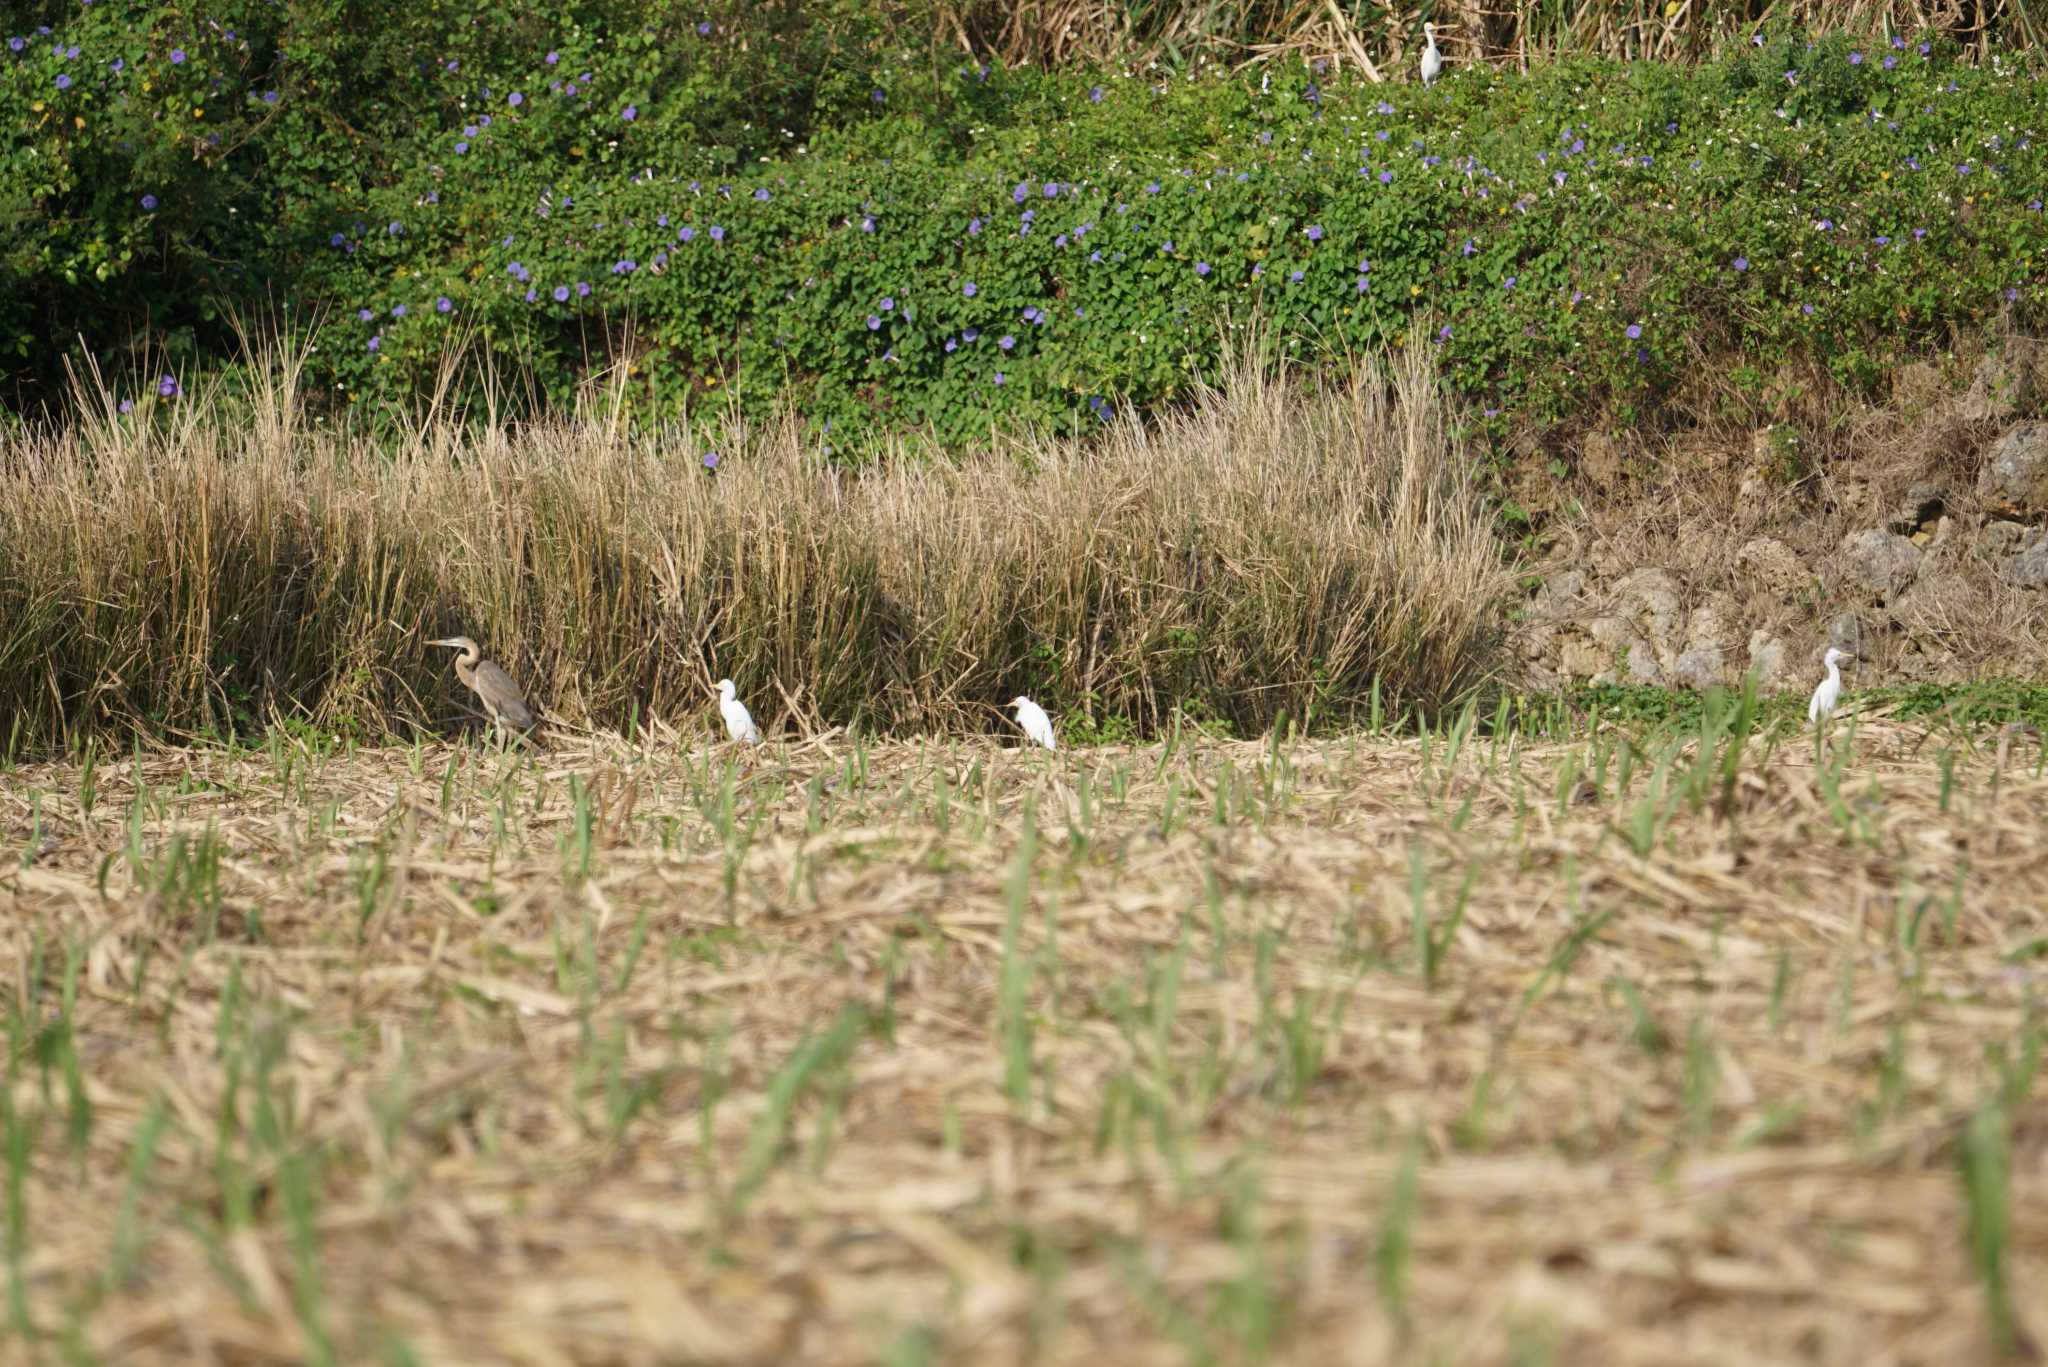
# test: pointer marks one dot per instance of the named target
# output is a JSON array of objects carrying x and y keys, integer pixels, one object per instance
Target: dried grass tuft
[{"x": 1264, "y": 551}]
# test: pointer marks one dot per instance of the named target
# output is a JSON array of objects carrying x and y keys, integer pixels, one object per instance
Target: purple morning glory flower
[
  {"x": 761, "y": 194},
  {"x": 1741, "y": 263},
  {"x": 167, "y": 387},
  {"x": 951, "y": 344},
  {"x": 553, "y": 57},
  {"x": 1633, "y": 331},
  {"x": 717, "y": 233},
  {"x": 867, "y": 224},
  {"x": 1855, "y": 59},
  {"x": 398, "y": 310},
  {"x": 631, "y": 112},
  {"x": 1469, "y": 247},
  {"x": 1006, "y": 341},
  {"x": 1294, "y": 276},
  {"x": 999, "y": 377},
  {"x": 515, "y": 99},
  {"x": 63, "y": 81},
  {"x": 685, "y": 234},
  {"x": 395, "y": 229},
  {"x": 1151, "y": 187},
  {"x": 461, "y": 148},
  {"x": 1386, "y": 177},
  {"x": 1314, "y": 232},
  {"x": 970, "y": 289},
  {"x": 1095, "y": 94},
  {"x": 1444, "y": 333},
  {"x": 711, "y": 460},
  {"x": 1201, "y": 268},
  {"x": 149, "y": 206},
  {"x": 377, "y": 343},
  {"x": 127, "y": 405},
  {"x": 704, "y": 29},
  {"x": 1508, "y": 283},
  {"x": 874, "y": 323},
  {"x": 970, "y": 334},
  {"x": 364, "y": 315},
  {"x": 444, "y": 305},
  {"x": 16, "y": 44},
  {"x": 561, "y": 294},
  {"x": 177, "y": 56},
  {"x": 582, "y": 289},
  {"x": 888, "y": 303}
]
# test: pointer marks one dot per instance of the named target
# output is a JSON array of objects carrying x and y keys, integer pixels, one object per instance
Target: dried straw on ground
[{"x": 944, "y": 1052}]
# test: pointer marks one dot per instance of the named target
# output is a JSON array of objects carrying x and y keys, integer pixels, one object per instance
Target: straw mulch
[{"x": 617, "y": 1054}]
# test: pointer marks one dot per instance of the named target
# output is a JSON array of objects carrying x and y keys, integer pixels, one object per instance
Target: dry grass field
[{"x": 1688, "y": 1048}]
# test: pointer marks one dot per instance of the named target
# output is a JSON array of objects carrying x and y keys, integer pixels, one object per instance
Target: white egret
[
  {"x": 1830, "y": 691},
  {"x": 739, "y": 723},
  {"x": 1432, "y": 60},
  {"x": 1036, "y": 724}
]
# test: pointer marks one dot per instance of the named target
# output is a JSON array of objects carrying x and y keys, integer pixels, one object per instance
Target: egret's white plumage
[
  {"x": 1830, "y": 691},
  {"x": 739, "y": 723},
  {"x": 1036, "y": 724},
  {"x": 1432, "y": 60}
]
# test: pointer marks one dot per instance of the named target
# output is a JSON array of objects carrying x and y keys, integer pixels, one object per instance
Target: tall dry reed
[{"x": 1269, "y": 548}]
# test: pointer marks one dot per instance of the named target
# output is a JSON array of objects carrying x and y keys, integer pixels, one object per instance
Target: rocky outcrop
[
  {"x": 1882, "y": 562},
  {"x": 2015, "y": 474}
]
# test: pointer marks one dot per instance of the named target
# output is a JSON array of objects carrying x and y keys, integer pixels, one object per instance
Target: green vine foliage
[{"x": 753, "y": 206}]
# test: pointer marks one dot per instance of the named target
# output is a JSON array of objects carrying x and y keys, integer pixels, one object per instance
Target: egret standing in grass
[
  {"x": 1830, "y": 691},
  {"x": 1036, "y": 724},
  {"x": 502, "y": 700},
  {"x": 1432, "y": 60},
  {"x": 739, "y": 723}
]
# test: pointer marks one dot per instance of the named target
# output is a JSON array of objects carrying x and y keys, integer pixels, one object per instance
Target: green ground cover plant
[{"x": 923, "y": 242}]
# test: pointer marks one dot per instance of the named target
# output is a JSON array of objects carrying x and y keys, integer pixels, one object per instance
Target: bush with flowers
[{"x": 714, "y": 210}]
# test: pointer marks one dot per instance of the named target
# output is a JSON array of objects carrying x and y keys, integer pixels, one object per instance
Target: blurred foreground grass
[{"x": 1704, "y": 1043}]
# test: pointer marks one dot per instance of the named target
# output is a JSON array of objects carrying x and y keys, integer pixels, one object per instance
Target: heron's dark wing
[{"x": 501, "y": 696}]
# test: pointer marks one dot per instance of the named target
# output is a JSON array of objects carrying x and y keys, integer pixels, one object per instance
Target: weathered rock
[
  {"x": 1846, "y": 631},
  {"x": 2008, "y": 383},
  {"x": 1581, "y": 659},
  {"x": 1640, "y": 627},
  {"x": 1700, "y": 666},
  {"x": 1767, "y": 659},
  {"x": 1775, "y": 566},
  {"x": 2029, "y": 567},
  {"x": 1922, "y": 506},
  {"x": 1880, "y": 561},
  {"x": 2015, "y": 474},
  {"x": 2001, "y": 536}
]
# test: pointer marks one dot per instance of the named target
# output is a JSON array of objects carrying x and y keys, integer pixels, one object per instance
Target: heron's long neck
[
  {"x": 472, "y": 657},
  {"x": 1834, "y": 671}
]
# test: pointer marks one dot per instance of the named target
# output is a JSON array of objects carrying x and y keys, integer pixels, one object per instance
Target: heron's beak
[{"x": 444, "y": 643}]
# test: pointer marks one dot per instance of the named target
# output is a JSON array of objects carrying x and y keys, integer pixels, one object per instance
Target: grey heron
[{"x": 502, "y": 700}]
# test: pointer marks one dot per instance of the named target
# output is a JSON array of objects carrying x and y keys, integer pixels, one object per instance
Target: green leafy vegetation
[{"x": 913, "y": 240}]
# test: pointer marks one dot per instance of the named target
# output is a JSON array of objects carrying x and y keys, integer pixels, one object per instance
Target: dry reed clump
[
  {"x": 1384, "y": 40},
  {"x": 1446, "y": 1050},
  {"x": 1263, "y": 551}
]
